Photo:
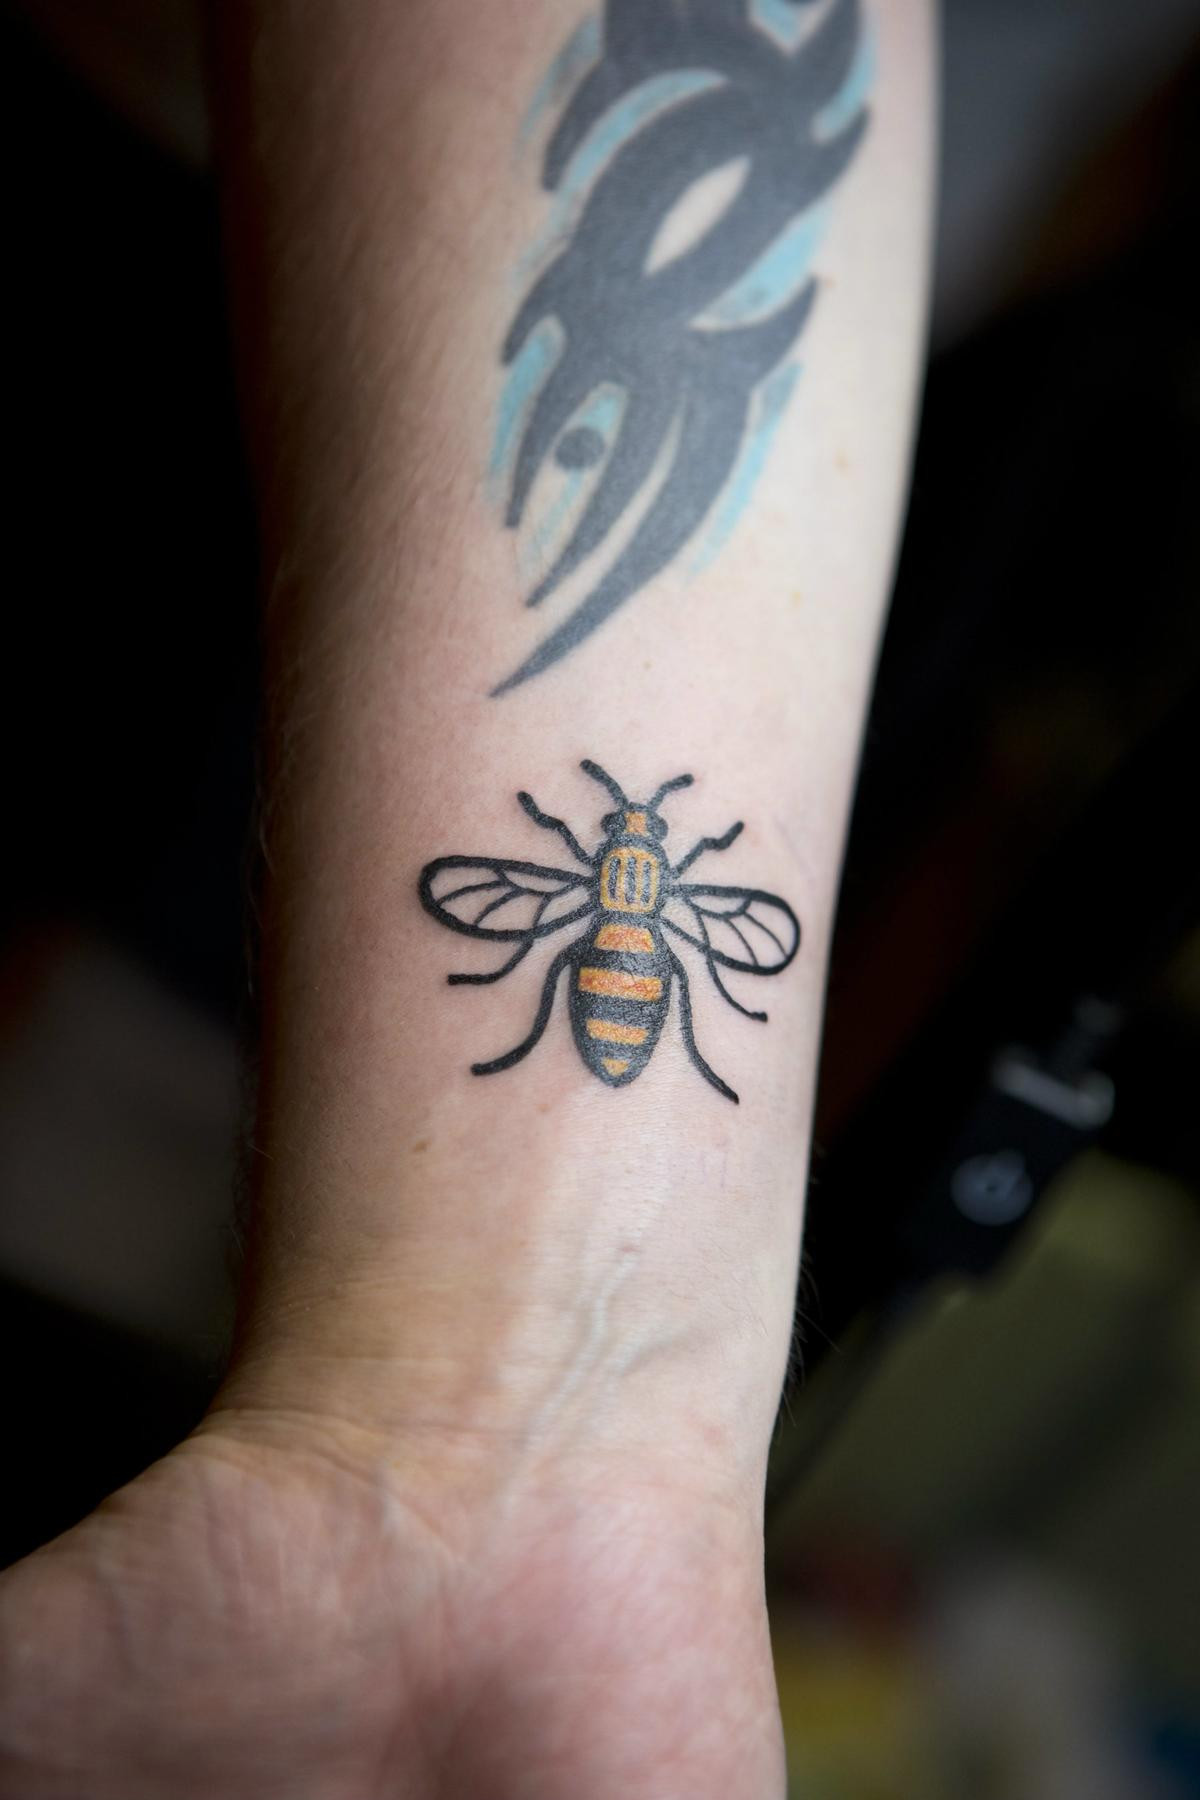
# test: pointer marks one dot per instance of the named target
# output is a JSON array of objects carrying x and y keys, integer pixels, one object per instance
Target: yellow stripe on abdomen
[
  {"x": 609, "y": 1032},
  {"x": 625, "y": 937},
  {"x": 617, "y": 983},
  {"x": 614, "y": 1065}
]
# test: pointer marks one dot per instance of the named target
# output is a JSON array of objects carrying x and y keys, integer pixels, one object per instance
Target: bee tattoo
[{"x": 622, "y": 964}]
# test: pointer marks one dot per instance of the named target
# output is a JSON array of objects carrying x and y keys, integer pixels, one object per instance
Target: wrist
[
  {"x": 600, "y": 1600},
  {"x": 547, "y": 1349}
]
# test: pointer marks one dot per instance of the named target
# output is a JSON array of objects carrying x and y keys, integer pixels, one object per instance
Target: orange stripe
[
  {"x": 609, "y": 1032},
  {"x": 616, "y": 981},
  {"x": 614, "y": 1065},
  {"x": 625, "y": 937}
]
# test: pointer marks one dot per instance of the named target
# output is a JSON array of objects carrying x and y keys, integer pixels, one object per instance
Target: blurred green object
[
  {"x": 858, "y": 1719},
  {"x": 1026, "y": 1452}
]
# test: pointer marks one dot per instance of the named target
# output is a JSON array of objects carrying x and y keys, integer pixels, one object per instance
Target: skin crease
[{"x": 477, "y": 1512}]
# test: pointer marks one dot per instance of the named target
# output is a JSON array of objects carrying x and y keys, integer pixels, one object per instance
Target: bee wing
[
  {"x": 740, "y": 928},
  {"x": 491, "y": 897}
]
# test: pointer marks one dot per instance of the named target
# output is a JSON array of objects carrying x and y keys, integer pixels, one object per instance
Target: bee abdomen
[{"x": 619, "y": 994}]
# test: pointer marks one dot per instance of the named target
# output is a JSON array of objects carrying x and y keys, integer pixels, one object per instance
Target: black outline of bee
[{"x": 621, "y": 991}]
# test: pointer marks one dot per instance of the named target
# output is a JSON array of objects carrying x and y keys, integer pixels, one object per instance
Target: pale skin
[{"x": 478, "y": 1509}]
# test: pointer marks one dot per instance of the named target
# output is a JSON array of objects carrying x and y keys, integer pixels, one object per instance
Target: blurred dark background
[{"x": 983, "y": 1545}]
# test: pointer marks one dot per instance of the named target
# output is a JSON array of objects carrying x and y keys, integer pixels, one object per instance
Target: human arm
[{"x": 512, "y": 1344}]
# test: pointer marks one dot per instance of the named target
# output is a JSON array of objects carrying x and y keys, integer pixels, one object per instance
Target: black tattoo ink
[
  {"x": 622, "y": 964},
  {"x": 654, "y": 336}
]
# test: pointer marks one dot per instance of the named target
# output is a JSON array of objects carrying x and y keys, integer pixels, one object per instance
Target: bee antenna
[
  {"x": 605, "y": 780},
  {"x": 669, "y": 787}
]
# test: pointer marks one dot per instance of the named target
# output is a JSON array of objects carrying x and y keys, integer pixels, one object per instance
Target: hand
[{"x": 296, "y": 1606}]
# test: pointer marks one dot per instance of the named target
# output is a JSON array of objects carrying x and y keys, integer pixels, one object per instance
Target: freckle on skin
[
  {"x": 421, "y": 1145},
  {"x": 841, "y": 462}
]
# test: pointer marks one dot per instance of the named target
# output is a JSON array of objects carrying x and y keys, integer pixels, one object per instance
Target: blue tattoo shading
[{"x": 768, "y": 409}]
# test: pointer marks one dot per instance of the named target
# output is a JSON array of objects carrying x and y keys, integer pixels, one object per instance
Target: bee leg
[
  {"x": 540, "y": 1022},
  {"x": 746, "y": 1012},
  {"x": 710, "y": 843},
  {"x": 505, "y": 968},
  {"x": 689, "y": 1035},
  {"x": 549, "y": 823}
]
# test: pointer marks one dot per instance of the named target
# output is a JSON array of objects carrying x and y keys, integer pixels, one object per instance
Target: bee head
[{"x": 637, "y": 819}]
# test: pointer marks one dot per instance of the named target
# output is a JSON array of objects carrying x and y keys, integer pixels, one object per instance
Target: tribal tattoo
[
  {"x": 622, "y": 965},
  {"x": 645, "y": 379}
]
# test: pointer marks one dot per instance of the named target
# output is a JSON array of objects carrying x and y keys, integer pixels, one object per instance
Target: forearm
[{"x": 502, "y": 1253}]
